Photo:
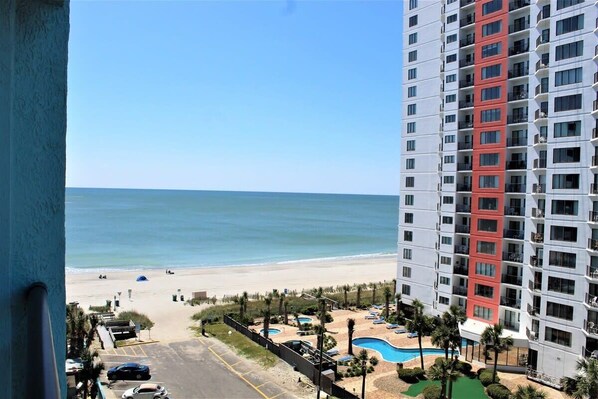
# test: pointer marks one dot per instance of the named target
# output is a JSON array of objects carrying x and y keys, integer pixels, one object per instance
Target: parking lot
[{"x": 193, "y": 369}]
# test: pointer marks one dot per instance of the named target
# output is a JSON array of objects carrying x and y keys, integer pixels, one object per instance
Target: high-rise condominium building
[{"x": 499, "y": 176}]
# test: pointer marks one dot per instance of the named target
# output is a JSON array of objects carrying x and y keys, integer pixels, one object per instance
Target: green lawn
[{"x": 464, "y": 387}]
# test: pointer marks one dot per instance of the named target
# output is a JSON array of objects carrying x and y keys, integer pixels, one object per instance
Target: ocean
[{"x": 134, "y": 229}]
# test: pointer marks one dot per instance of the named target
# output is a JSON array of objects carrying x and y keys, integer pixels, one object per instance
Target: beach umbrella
[{"x": 142, "y": 278}]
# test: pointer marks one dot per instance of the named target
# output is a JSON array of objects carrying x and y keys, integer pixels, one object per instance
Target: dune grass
[{"x": 464, "y": 387}]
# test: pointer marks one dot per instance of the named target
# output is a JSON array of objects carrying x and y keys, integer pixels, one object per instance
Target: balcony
[
  {"x": 514, "y": 188},
  {"x": 464, "y": 3},
  {"x": 541, "y": 89},
  {"x": 460, "y": 291},
  {"x": 465, "y": 145},
  {"x": 533, "y": 310},
  {"x": 593, "y": 189},
  {"x": 537, "y": 238},
  {"x": 594, "y": 133},
  {"x": 468, "y": 20},
  {"x": 466, "y": 62},
  {"x": 591, "y": 300},
  {"x": 463, "y": 271},
  {"x": 540, "y": 163},
  {"x": 545, "y": 13},
  {"x": 594, "y": 160},
  {"x": 540, "y": 138},
  {"x": 590, "y": 327},
  {"x": 462, "y": 228},
  {"x": 511, "y": 279},
  {"x": 538, "y": 213},
  {"x": 513, "y": 234},
  {"x": 541, "y": 66},
  {"x": 595, "y": 105},
  {"x": 518, "y": 72},
  {"x": 508, "y": 324},
  {"x": 539, "y": 188},
  {"x": 462, "y": 249},
  {"x": 510, "y": 302},
  {"x": 592, "y": 272},
  {"x": 464, "y": 166},
  {"x": 462, "y": 208},
  {"x": 539, "y": 114},
  {"x": 468, "y": 41},
  {"x": 464, "y": 187},
  {"x": 517, "y": 4},
  {"x": 516, "y": 257},
  {"x": 465, "y": 83},
  {"x": 516, "y": 141},
  {"x": 516, "y": 165},
  {"x": 465, "y": 104},
  {"x": 514, "y": 211},
  {"x": 522, "y": 118},
  {"x": 519, "y": 49},
  {"x": 465, "y": 124},
  {"x": 514, "y": 28},
  {"x": 592, "y": 244},
  {"x": 593, "y": 217},
  {"x": 535, "y": 261},
  {"x": 542, "y": 39},
  {"x": 517, "y": 96}
]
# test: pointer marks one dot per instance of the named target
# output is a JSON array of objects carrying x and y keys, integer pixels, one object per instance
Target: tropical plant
[
  {"x": 441, "y": 337},
  {"x": 138, "y": 318},
  {"x": 90, "y": 372},
  {"x": 440, "y": 371},
  {"x": 358, "y": 301},
  {"x": 387, "y": 295},
  {"x": 373, "y": 293},
  {"x": 285, "y": 307},
  {"x": 528, "y": 392},
  {"x": 398, "y": 299},
  {"x": 267, "y": 314},
  {"x": 241, "y": 301},
  {"x": 363, "y": 357},
  {"x": 76, "y": 329},
  {"x": 346, "y": 289},
  {"x": 281, "y": 299},
  {"x": 585, "y": 384},
  {"x": 394, "y": 285},
  {"x": 350, "y": 331},
  {"x": 452, "y": 318},
  {"x": 245, "y": 296},
  {"x": 420, "y": 324},
  {"x": 492, "y": 339}
]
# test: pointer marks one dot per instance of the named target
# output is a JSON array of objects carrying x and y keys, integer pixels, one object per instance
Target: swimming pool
[
  {"x": 303, "y": 319},
  {"x": 271, "y": 331},
  {"x": 391, "y": 353}
]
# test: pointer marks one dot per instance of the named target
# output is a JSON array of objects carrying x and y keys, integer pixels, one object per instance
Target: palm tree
[
  {"x": 245, "y": 296},
  {"x": 91, "y": 371},
  {"x": 281, "y": 299},
  {"x": 528, "y": 392},
  {"x": 491, "y": 338},
  {"x": 322, "y": 306},
  {"x": 346, "y": 289},
  {"x": 267, "y": 312},
  {"x": 358, "y": 301},
  {"x": 420, "y": 324},
  {"x": 441, "y": 337},
  {"x": 76, "y": 329},
  {"x": 394, "y": 285},
  {"x": 363, "y": 357},
  {"x": 398, "y": 299},
  {"x": 241, "y": 308},
  {"x": 350, "y": 331},
  {"x": 585, "y": 384},
  {"x": 440, "y": 371},
  {"x": 452, "y": 318},
  {"x": 373, "y": 293},
  {"x": 387, "y": 296},
  {"x": 285, "y": 306},
  {"x": 452, "y": 377}
]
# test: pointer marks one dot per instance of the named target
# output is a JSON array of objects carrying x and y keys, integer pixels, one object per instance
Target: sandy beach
[{"x": 154, "y": 297}]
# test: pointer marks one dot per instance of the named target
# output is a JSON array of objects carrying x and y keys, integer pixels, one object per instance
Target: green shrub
[
  {"x": 480, "y": 371},
  {"x": 431, "y": 392},
  {"x": 137, "y": 318},
  {"x": 101, "y": 309},
  {"x": 498, "y": 391},
  {"x": 486, "y": 378},
  {"x": 411, "y": 375},
  {"x": 463, "y": 367},
  {"x": 373, "y": 360}
]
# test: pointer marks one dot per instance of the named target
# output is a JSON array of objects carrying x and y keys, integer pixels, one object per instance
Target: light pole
[
  {"x": 363, "y": 373},
  {"x": 321, "y": 348}
]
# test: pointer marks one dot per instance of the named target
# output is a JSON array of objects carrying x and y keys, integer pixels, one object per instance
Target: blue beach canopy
[{"x": 142, "y": 278}]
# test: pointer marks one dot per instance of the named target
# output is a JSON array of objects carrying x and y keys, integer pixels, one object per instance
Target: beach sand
[{"x": 172, "y": 319}]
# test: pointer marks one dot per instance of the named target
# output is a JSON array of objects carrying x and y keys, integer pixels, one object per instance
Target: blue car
[{"x": 129, "y": 371}]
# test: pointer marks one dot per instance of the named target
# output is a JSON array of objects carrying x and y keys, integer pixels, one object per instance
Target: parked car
[
  {"x": 143, "y": 391},
  {"x": 129, "y": 371},
  {"x": 73, "y": 366}
]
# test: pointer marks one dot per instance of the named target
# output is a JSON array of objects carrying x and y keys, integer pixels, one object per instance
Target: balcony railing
[
  {"x": 592, "y": 272},
  {"x": 514, "y": 188},
  {"x": 510, "y": 325},
  {"x": 465, "y": 83},
  {"x": 513, "y": 234},
  {"x": 42, "y": 373},
  {"x": 593, "y": 217},
  {"x": 591, "y": 327},
  {"x": 463, "y": 187},
  {"x": 516, "y": 141},
  {"x": 593, "y": 244},
  {"x": 541, "y": 89},
  {"x": 513, "y": 256},
  {"x": 466, "y": 62},
  {"x": 517, "y": 95},
  {"x": 542, "y": 39},
  {"x": 540, "y": 65},
  {"x": 534, "y": 286},
  {"x": 514, "y": 211},
  {"x": 465, "y": 104},
  {"x": 594, "y": 160},
  {"x": 462, "y": 228},
  {"x": 540, "y": 138},
  {"x": 468, "y": 20},
  {"x": 518, "y": 72},
  {"x": 595, "y": 105},
  {"x": 464, "y": 166},
  {"x": 510, "y": 302},
  {"x": 592, "y": 300},
  {"x": 518, "y": 27},
  {"x": 463, "y": 271},
  {"x": 540, "y": 163},
  {"x": 594, "y": 133},
  {"x": 463, "y": 207},
  {"x": 467, "y": 145},
  {"x": 511, "y": 279},
  {"x": 516, "y": 165},
  {"x": 519, "y": 49},
  {"x": 464, "y": 3},
  {"x": 517, "y": 118},
  {"x": 465, "y": 124},
  {"x": 533, "y": 310},
  {"x": 537, "y": 213},
  {"x": 539, "y": 188},
  {"x": 538, "y": 238},
  {"x": 535, "y": 261},
  {"x": 545, "y": 13},
  {"x": 462, "y": 249},
  {"x": 467, "y": 41},
  {"x": 517, "y": 4},
  {"x": 460, "y": 291},
  {"x": 594, "y": 188},
  {"x": 540, "y": 114},
  {"x": 595, "y": 77}
]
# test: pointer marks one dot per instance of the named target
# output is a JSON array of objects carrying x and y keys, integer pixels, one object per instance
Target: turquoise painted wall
[{"x": 33, "y": 87}]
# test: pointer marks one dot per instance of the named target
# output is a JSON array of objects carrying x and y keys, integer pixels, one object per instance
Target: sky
[{"x": 285, "y": 96}]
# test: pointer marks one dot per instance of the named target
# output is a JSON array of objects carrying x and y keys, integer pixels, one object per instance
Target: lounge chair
[
  {"x": 371, "y": 317},
  {"x": 412, "y": 335},
  {"x": 345, "y": 358},
  {"x": 332, "y": 352},
  {"x": 379, "y": 321},
  {"x": 391, "y": 326},
  {"x": 301, "y": 332},
  {"x": 400, "y": 331}
]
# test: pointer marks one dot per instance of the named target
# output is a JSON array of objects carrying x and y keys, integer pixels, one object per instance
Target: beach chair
[
  {"x": 412, "y": 335},
  {"x": 345, "y": 358},
  {"x": 400, "y": 331},
  {"x": 332, "y": 352},
  {"x": 371, "y": 317},
  {"x": 379, "y": 321},
  {"x": 391, "y": 326},
  {"x": 302, "y": 333}
]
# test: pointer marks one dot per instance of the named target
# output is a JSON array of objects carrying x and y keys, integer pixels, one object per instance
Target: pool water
[
  {"x": 303, "y": 319},
  {"x": 393, "y": 354},
  {"x": 271, "y": 331}
]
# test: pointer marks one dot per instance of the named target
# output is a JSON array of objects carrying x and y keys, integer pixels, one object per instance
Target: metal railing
[
  {"x": 511, "y": 279},
  {"x": 466, "y": 62},
  {"x": 463, "y": 271},
  {"x": 545, "y": 13},
  {"x": 593, "y": 244},
  {"x": 538, "y": 238},
  {"x": 462, "y": 249},
  {"x": 519, "y": 49},
  {"x": 464, "y": 166},
  {"x": 465, "y": 124},
  {"x": 513, "y": 28},
  {"x": 535, "y": 261},
  {"x": 517, "y": 95},
  {"x": 540, "y": 114},
  {"x": 593, "y": 217},
  {"x": 513, "y": 256},
  {"x": 539, "y": 188},
  {"x": 537, "y": 213},
  {"x": 516, "y": 141},
  {"x": 592, "y": 272},
  {"x": 465, "y": 104},
  {"x": 513, "y": 234},
  {"x": 540, "y": 138},
  {"x": 465, "y": 83},
  {"x": 517, "y": 4},
  {"x": 467, "y": 41},
  {"x": 516, "y": 165},
  {"x": 509, "y": 325},
  {"x": 468, "y": 20},
  {"x": 518, "y": 72},
  {"x": 42, "y": 371},
  {"x": 465, "y": 145},
  {"x": 460, "y": 291},
  {"x": 593, "y": 188},
  {"x": 463, "y": 187},
  {"x": 514, "y": 188},
  {"x": 514, "y": 211},
  {"x": 463, "y": 207},
  {"x": 540, "y": 65},
  {"x": 533, "y": 310},
  {"x": 522, "y": 118},
  {"x": 510, "y": 302},
  {"x": 540, "y": 163}
]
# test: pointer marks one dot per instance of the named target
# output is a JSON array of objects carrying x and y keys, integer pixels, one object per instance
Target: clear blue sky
[{"x": 300, "y": 96}]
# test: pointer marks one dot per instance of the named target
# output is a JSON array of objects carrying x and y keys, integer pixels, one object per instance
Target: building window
[
  {"x": 563, "y": 233},
  {"x": 445, "y": 280},
  {"x": 448, "y": 179},
  {"x": 412, "y": 21},
  {"x": 491, "y": 71},
  {"x": 488, "y": 225},
  {"x": 451, "y": 98},
  {"x": 410, "y": 127},
  {"x": 406, "y": 272},
  {"x": 557, "y": 336},
  {"x": 488, "y": 204},
  {"x": 446, "y": 240},
  {"x": 567, "y": 129},
  {"x": 485, "y": 269},
  {"x": 562, "y": 285},
  {"x": 447, "y": 200},
  {"x": 482, "y": 312},
  {"x": 449, "y": 159},
  {"x": 411, "y": 109},
  {"x": 412, "y": 91},
  {"x": 451, "y": 18},
  {"x": 486, "y": 247},
  {"x": 406, "y": 253},
  {"x": 567, "y": 3},
  {"x": 408, "y": 235},
  {"x": 443, "y": 300},
  {"x": 564, "y": 207},
  {"x": 408, "y": 217},
  {"x": 450, "y": 118},
  {"x": 567, "y": 103},
  {"x": 491, "y": 28},
  {"x": 490, "y": 50},
  {"x": 409, "y": 199},
  {"x": 412, "y": 56},
  {"x": 412, "y": 4},
  {"x": 484, "y": 290},
  {"x": 565, "y": 155},
  {"x": 409, "y": 181},
  {"x": 565, "y": 182},
  {"x": 446, "y": 260},
  {"x": 489, "y": 159},
  {"x": 490, "y": 115},
  {"x": 447, "y": 220},
  {"x": 559, "y": 310},
  {"x": 562, "y": 259},
  {"x": 568, "y": 77},
  {"x": 490, "y": 137},
  {"x": 413, "y": 38},
  {"x": 491, "y": 93},
  {"x": 569, "y": 50},
  {"x": 449, "y": 138},
  {"x": 451, "y": 38},
  {"x": 488, "y": 181},
  {"x": 405, "y": 289},
  {"x": 570, "y": 24},
  {"x": 451, "y": 58},
  {"x": 491, "y": 6},
  {"x": 412, "y": 73},
  {"x": 410, "y": 163},
  {"x": 410, "y": 145},
  {"x": 451, "y": 78}
]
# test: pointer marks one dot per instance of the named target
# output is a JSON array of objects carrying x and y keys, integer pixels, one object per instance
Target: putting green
[{"x": 464, "y": 387}]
